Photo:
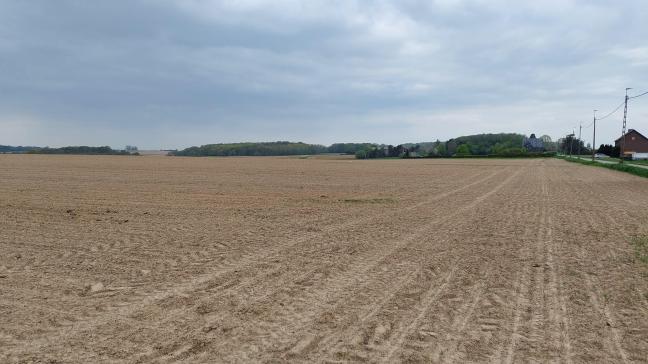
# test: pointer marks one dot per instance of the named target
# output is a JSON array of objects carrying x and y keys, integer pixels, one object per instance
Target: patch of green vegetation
[
  {"x": 349, "y": 148},
  {"x": 484, "y": 144},
  {"x": 369, "y": 200},
  {"x": 622, "y": 167},
  {"x": 640, "y": 244}
]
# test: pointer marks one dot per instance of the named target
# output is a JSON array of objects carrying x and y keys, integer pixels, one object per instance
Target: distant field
[
  {"x": 320, "y": 259},
  {"x": 331, "y": 156},
  {"x": 153, "y": 152}
]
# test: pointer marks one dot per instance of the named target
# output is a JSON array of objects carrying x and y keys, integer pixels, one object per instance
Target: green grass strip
[{"x": 622, "y": 167}]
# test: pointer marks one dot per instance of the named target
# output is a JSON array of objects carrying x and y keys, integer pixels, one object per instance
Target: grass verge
[{"x": 625, "y": 167}]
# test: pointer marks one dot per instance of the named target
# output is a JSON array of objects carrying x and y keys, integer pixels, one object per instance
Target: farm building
[
  {"x": 635, "y": 146},
  {"x": 533, "y": 144}
]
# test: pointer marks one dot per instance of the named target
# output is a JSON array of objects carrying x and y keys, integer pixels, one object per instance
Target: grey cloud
[{"x": 177, "y": 73}]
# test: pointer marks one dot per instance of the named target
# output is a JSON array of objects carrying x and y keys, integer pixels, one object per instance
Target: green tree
[
  {"x": 463, "y": 149},
  {"x": 441, "y": 149},
  {"x": 361, "y": 154},
  {"x": 253, "y": 149}
]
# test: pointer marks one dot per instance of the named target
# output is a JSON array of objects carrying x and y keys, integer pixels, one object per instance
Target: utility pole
[
  {"x": 580, "y": 128},
  {"x": 594, "y": 137},
  {"x": 623, "y": 130},
  {"x": 571, "y": 142}
]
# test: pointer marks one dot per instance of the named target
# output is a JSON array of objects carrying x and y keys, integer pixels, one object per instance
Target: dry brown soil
[{"x": 167, "y": 259}]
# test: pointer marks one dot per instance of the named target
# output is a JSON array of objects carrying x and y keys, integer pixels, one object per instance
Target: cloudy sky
[{"x": 175, "y": 73}]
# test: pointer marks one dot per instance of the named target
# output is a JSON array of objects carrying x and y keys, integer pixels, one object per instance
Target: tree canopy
[
  {"x": 253, "y": 149},
  {"x": 19, "y": 149},
  {"x": 349, "y": 148},
  {"x": 485, "y": 144}
]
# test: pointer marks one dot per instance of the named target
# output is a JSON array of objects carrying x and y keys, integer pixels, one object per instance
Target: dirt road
[{"x": 163, "y": 259}]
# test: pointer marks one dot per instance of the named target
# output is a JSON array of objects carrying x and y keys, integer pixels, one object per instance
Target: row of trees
[
  {"x": 273, "y": 149},
  {"x": 572, "y": 145},
  {"x": 486, "y": 144},
  {"x": 130, "y": 150},
  {"x": 503, "y": 144},
  {"x": 253, "y": 149},
  {"x": 349, "y": 148},
  {"x": 609, "y": 150},
  {"x": 388, "y": 151},
  {"x": 105, "y": 150},
  {"x": 11, "y": 149}
]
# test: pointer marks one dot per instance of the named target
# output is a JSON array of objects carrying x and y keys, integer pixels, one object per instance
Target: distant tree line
[
  {"x": 349, "y": 148},
  {"x": 390, "y": 151},
  {"x": 609, "y": 150},
  {"x": 486, "y": 144},
  {"x": 572, "y": 145},
  {"x": 105, "y": 150},
  {"x": 271, "y": 149},
  {"x": 252, "y": 149},
  {"x": 483, "y": 145},
  {"x": 19, "y": 149}
]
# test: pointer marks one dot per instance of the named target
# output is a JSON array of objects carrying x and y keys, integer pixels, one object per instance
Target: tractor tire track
[{"x": 200, "y": 283}]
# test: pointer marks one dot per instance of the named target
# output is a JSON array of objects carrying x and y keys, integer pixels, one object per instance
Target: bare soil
[{"x": 168, "y": 259}]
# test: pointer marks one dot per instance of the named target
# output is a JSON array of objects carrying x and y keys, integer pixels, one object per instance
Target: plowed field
[{"x": 167, "y": 259}]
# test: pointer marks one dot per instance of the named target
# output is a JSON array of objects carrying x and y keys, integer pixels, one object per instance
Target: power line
[
  {"x": 613, "y": 111},
  {"x": 634, "y": 97},
  {"x": 593, "y": 123},
  {"x": 617, "y": 108}
]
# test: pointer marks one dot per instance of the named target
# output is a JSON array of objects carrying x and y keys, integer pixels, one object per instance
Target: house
[
  {"x": 635, "y": 146},
  {"x": 533, "y": 144}
]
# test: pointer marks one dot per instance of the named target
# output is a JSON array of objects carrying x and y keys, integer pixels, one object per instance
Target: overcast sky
[{"x": 174, "y": 73}]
